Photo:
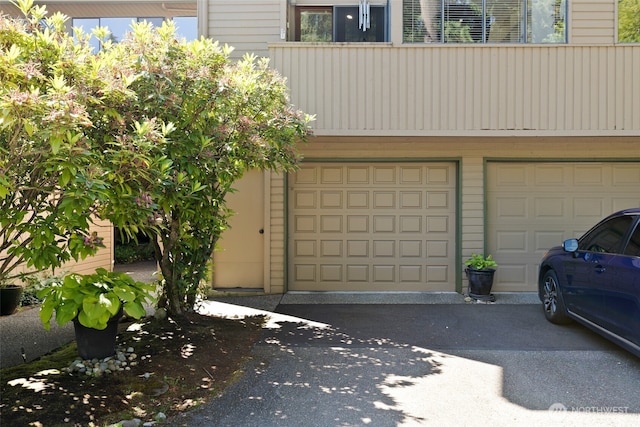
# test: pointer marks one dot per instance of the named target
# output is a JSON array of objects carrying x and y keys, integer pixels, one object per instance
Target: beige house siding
[
  {"x": 467, "y": 104},
  {"x": 277, "y": 235},
  {"x": 103, "y": 258},
  {"x": 503, "y": 90},
  {"x": 472, "y": 206},
  {"x": 248, "y": 25},
  {"x": 473, "y": 153},
  {"x": 592, "y": 22}
]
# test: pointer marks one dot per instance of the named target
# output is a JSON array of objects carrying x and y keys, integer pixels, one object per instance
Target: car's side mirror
[{"x": 570, "y": 245}]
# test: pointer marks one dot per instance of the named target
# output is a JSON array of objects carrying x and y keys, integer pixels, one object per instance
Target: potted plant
[
  {"x": 480, "y": 271},
  {"x": 10, "y": 296},
  {"x": 95, "y": 303}
]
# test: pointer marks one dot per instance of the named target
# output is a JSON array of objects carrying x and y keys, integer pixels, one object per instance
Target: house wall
[
  {"x": 388, "y": 101},
  {"x": 248, "y": 25},
  {"x": 103, "y": 258},
  {"x": 461, "y": 103},
  {"x": 591, "y": 22},
  {"x": 377, "y": 89},
  {"x": 277, "y": 235},
  {"x": 472, "y": 153}
]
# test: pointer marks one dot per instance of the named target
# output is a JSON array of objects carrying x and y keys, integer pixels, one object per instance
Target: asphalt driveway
[{"x": 426, "y": 364}]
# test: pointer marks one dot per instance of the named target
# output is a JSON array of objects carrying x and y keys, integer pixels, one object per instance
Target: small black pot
[
  {"x": 10, "y": 296},
  {"x": 480, "y": 283},
  {"x": 96, "y": 343}
]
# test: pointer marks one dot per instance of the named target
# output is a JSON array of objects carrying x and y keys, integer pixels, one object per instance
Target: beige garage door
[
  {"x": 534, "y": 206},
  {"x": 372, "y": 227}
]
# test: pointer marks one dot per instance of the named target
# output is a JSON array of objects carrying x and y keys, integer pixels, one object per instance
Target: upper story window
[
  {"x": 484, "y": 21},
  {"x": 361, "y": 22},
  {"x": 186, "y": 26},
  {"x": 629, "y": 21}
]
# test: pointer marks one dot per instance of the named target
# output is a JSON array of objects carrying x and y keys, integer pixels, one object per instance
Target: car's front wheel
[{"x": 554, "y": 309}]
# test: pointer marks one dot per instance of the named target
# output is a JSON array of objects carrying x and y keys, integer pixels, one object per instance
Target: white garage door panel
[
  {"x": 534, "y": 206},
  {"x": 362, "y": 227}
]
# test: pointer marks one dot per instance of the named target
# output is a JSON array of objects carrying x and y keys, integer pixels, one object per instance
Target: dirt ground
[{"x": 181, "y": 364}]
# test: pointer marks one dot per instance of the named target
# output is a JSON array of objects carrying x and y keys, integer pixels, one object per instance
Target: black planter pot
[
  {"x": 95, "y": 343},
  {"x": 10, "y": 296},
  {"x": 480, "y": 283}
]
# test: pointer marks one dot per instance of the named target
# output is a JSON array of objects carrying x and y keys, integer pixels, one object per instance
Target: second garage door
[
  {"x": 372, "y": 227},
  {"x": 534, "y": 206}
]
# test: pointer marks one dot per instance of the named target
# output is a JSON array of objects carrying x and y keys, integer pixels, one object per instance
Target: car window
[
  {"x": 633, "y": 247},
  {"x": 606, "y": 237}
]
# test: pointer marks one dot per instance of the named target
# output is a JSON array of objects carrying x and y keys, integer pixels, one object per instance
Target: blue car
[{"x": 595, "y": 280}]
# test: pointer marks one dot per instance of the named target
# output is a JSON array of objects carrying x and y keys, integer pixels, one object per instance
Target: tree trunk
[{"x": 170, "y": 297}]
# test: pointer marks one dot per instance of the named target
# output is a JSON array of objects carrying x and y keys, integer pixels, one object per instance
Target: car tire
[{"x": 552, "y": 303}]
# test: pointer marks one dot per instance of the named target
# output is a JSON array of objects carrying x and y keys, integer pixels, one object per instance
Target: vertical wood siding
[{"x": 374, "y": 89}]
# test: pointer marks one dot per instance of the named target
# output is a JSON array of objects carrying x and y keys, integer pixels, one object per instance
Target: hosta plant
[
  {"x": 94, "y": 298},
  {"x": 479, "y": 262}
]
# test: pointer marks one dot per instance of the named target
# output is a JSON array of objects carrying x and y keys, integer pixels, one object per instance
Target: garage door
[
  {"x": 372, "y": 227},
  {"x": 534, "y": 206}
]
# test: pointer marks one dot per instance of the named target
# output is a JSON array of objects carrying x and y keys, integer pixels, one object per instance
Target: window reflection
[
  {"x": 186, "y": 26},
  {"x": 484, "y": 21},
  {"x": 339, "y": 24}
]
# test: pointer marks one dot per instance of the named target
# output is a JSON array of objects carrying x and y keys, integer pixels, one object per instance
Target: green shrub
[
  {"x": 128, "y": 253},
  {"x": 33, "y": 285}
]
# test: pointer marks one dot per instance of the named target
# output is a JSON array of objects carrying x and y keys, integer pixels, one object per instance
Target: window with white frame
[
  {"x": 484, "y": 21},
  {"x": 186, "y": 26},
  {"x": 357, "y": 22}
]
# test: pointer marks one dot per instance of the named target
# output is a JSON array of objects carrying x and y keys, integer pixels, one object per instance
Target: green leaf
[
  {"x": 134, "y": 309},
  {"x": 94, "y": 308},
  {"x": 46, "y": 312},
  {"x": 66, "y": 313},
  {"x": 114, "y": 307},
  {"x": 65, "y": 177},
  {"x": 89, "y": 322},
  {"x": 55, "y": 142},
  {"x": 124, "y": 294}
]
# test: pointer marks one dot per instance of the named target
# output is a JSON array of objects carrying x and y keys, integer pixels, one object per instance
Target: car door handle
[{"x": 600, "y": 269}]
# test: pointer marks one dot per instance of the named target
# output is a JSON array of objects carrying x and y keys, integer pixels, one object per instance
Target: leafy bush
[
  {"x": 33, "y": 285},
  {"x": 128, "y": 253}
]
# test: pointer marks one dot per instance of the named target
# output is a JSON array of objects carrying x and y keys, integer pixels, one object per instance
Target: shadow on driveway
[{"x": 390, "y": 365}]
